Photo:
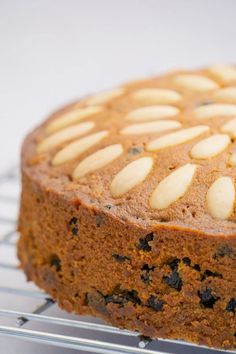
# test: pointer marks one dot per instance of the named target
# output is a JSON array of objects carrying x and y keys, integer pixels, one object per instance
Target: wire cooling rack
[{"x": 29, "y": 314}]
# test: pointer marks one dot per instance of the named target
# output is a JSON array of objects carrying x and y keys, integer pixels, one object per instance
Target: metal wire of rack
[{"x": 72, "y": 332}]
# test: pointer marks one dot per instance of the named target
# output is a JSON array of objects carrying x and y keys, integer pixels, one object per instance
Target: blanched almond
[
  {"x": 210, "y": 147},
  {"x": 224, "y": 73},
  {"x": 152, "y": 127},
  {"x": 220, "y": 198},
  {"x": 152, "y": 113},
  {"x": 64, "y": 135},
  {"x": 130, "y": 176},
  {"x": 177, "y": 138},
  {"x": 226, "y": 94},
  {"x": 105, "y": 97},
  {"x": 71, "y": 117},
  {"x": 97, "y": 160},
  {"x": 232, "y": 160},
  {"x": 195, "y": 82},
  {"x": 157, "y": 96},
  {"x": 173, "y": 187},
  {"x": 77, "y": 147},
  {"x": 230, "y": 127},
  {"x": 212, "y": 110}
]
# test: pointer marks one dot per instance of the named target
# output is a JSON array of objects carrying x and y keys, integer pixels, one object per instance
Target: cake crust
[{"x": 127, "y": 208}]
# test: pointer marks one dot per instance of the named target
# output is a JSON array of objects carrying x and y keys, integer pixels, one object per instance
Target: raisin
[
  {"x": 223, "y": 250},
  {"x": 75, "y": 231},
  {"x": 73, "y": 221},
  {"x": 108, "y": 206},
  {"x": 231, "y": 307},
  {"x": 99, "y": 220},
  {"x": 133, "y": 297},
  {"x": 197, "y": 267},
  {"x": 207, "y": 299},
  {"x": 115, "y": 299},
  {"x": 135, "y": 150},
  {"x": 123, "y": 297},
  {"x": 73, "y": 226},
  {"x": 173, "y": 263},
  {"x": 55, "y": 262},
  {"x": 119, "y": 258},
  {"x": 143, "y": 243},
  {"x": 146, "y": 276},
  {"x": 187, "y": 261},
  {"x": 154, "y": 303},
  {"x": 174, "y": 280},
  {"x": 209, "y": 273}
]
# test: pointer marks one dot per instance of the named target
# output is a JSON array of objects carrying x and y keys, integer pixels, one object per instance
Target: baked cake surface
[{"x": 128, "y": 206}]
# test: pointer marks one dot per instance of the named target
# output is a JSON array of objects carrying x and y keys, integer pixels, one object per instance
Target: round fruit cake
[{"x": 128, "y": 206}]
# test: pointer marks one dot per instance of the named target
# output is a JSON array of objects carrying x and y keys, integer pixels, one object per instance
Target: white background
[{"x": 53, "y": 51}]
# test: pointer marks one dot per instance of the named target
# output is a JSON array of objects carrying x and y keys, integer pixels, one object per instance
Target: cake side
[{"x": 163, "y": 282}]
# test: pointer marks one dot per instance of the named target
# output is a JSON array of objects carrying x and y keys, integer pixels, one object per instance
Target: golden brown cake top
[{"x": 159, "y": 150}]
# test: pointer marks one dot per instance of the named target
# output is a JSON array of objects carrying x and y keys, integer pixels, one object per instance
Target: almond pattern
[
  {"x": 130, "y": 176},
  {"x": 173, "y": 187},
  {"x": 64, "y": 135},
  {"x": 224, "y": 73},
  {"x": 97, "y": 160},
  {"x": 160, "y": 111},
  {"x": 151, "y": 127},
  {"x": 195, "y": 82},
  {"x": 177, "y": 138},
  {"x": 230, "y": 128},
  {"x": 220, "y": 198},
  {"x": 210, "y": 147},
  {"x": 226, "y": 94},
  {"x": 76, "y": 148},
  {"x": 71, "y": 117},
  {"x": 212, "y": 110},
  {"x": 105, "y": 97},
  {"x": 157, "y": 96},
  {"x": 152, "y": 113}
]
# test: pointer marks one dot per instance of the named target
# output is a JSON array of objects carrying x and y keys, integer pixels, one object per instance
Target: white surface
[{"x": 54, "y": 51}]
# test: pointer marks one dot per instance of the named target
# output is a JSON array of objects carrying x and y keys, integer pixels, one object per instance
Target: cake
[{"x": 128, "y": 206}]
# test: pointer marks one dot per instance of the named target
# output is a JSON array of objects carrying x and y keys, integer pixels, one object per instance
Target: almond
[
  {"x": 216, "y": 109},
  {"x": 226, "y": 94},
  {"x": 220, "y": 198},
  {"x": 151, "y": 127},
  {"x": 152, "y": 113},
  {"x": 76, "y": 148},
  {"x": 105, "y": 97},
  {"x": 230, "y": 128},
  {"x": 232, "y": 160},
  {"x": 193, "y": 82},
  {"x": 64, "y": 135},
  {"x": 210, "y": 147},
  {"x": 97, "y": 160},
  {"x": 71, "y": 117},
  {"x": 130, "y": 176},
  {"x": 173, "y": 187},
  {"x": 177, "y": 138},
  {"x": 156, "y": 96},
  {"x": 226, "y": 74}
]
